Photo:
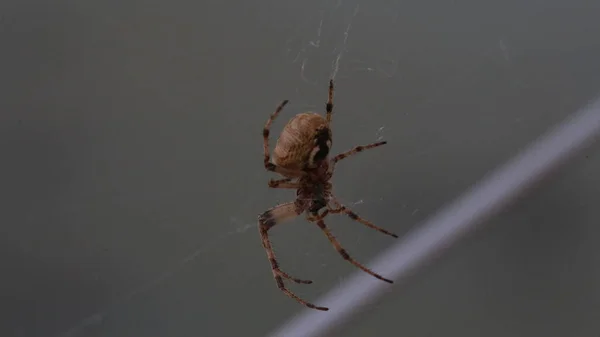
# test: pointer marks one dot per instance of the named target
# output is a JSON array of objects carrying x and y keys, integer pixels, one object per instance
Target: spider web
[
  {"x": 330, "y": 43},
  {"x": 326, "y": 34},
  {"x": 320, "y": 48}
]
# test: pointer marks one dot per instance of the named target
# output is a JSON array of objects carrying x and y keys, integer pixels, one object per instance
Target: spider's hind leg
[
  {"x": 268, "y": 220},
  {"x": 336, "y": 244},
  {"x": 343, "y": 209}
]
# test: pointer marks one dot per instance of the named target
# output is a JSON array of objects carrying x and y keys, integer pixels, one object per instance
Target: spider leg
[
  {"x": 356, "y": 150},
  {"x": 343, "y": 209},
  {"x": 342, "y": 251},
  {"x": 267, "y": 156},
  {"x": 329, "y": 105},
  {"x": 283, "y": 183},
  {"x": 268, "y": 220}
]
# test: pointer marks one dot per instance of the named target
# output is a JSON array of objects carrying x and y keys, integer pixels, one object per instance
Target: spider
[{"x": 301, "y": 156}]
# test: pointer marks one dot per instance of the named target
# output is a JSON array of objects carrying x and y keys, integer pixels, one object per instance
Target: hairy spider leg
[
  {"x": 284, "y": 183},
  {"x": 329, "y": 105},
  {"x": 268, "y": 220},
  {"x": 343, "y": 209},
  {"x": 321, "y": 223},
  {"x": 267, "y": 156},
  {"x": 356, "y": 150}
]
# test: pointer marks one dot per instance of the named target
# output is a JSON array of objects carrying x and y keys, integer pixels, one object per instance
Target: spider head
[{"x": 322, "y": 144}]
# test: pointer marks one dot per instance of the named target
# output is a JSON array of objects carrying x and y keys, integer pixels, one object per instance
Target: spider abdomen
[{"x": 304, "y": 141}]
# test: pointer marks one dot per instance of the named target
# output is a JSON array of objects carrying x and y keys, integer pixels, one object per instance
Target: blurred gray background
[{"x": 132, "y": 174}]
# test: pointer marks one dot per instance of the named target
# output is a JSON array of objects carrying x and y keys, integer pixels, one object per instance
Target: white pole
[{"x": 450, "y": 224}]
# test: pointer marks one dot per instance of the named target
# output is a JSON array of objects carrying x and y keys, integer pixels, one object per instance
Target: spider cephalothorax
[{"x": 301, "y": 155}]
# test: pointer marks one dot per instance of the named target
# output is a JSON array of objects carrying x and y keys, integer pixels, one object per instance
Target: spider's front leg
[
  {"x": 267, "y": 156},
  {"x": 319, "y": 219},
  {"x": 283, "y": 183},
  {"x": 268, "y": 220},
  {"x": 351, "y": 152},
  {"x": 329, "y": 105},
  {"x": 356, "y": 150}
]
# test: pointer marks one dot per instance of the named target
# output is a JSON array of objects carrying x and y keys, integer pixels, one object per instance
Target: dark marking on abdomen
[{"x": 322, "y": 138}]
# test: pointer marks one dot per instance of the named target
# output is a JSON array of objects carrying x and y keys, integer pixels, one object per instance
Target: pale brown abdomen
[{"x": 297, "y": 140}]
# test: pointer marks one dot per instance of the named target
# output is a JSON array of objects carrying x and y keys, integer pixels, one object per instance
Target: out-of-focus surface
[{"x": 132, "y": 168}]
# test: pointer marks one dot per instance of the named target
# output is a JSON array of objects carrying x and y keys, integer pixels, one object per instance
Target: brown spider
[{"x": 301, "y": 153}]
